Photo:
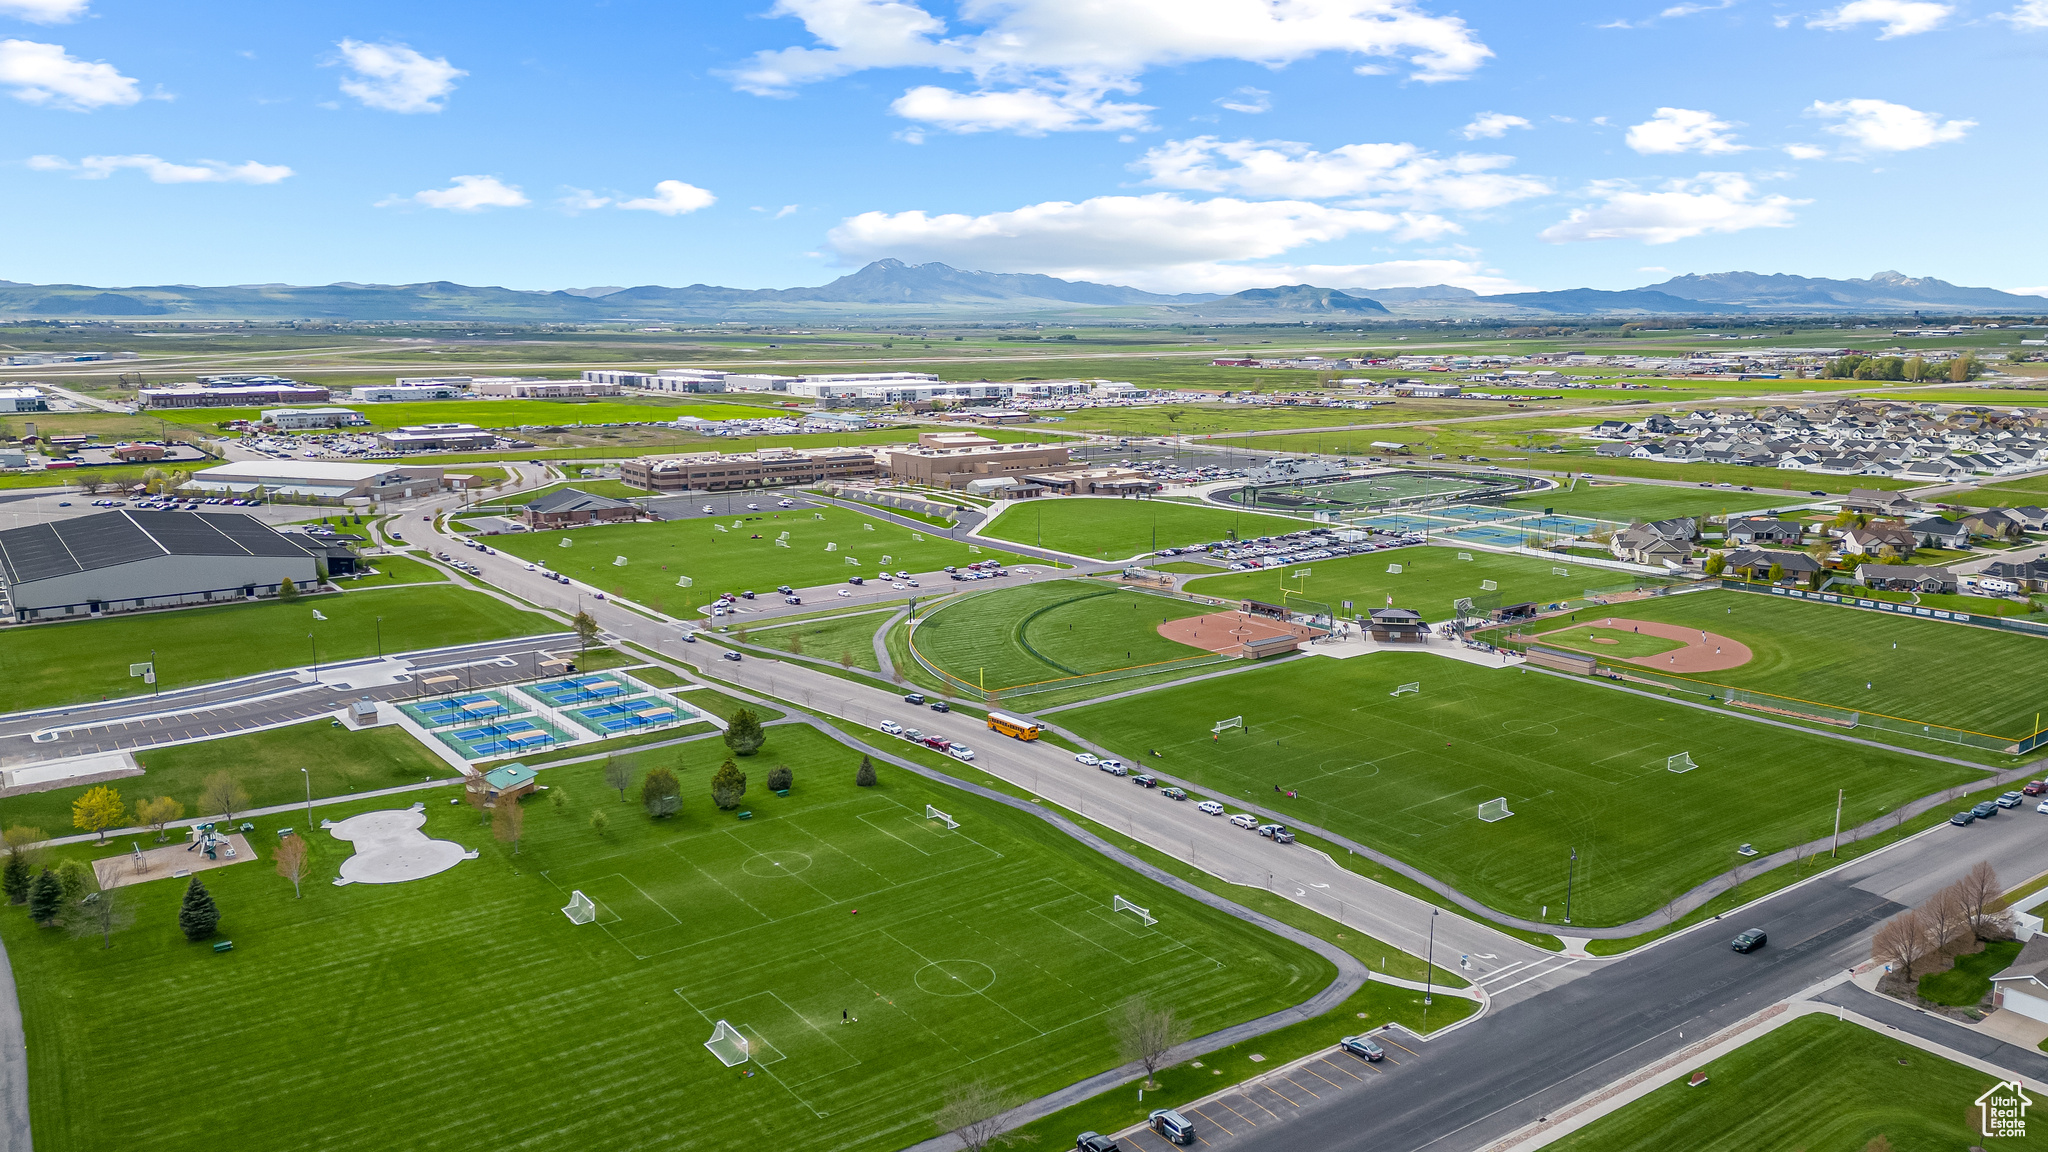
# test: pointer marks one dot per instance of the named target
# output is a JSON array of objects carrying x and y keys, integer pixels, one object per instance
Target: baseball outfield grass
[
  {"x": 1582, "y": 766},
  {"x": 66, "y": 663},
  {"x": 1051, "y": 631},
  {"x": 1431, "y": 578},
  {"x": 465, "y": 1010}
]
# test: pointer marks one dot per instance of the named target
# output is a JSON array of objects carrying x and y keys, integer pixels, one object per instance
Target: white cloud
[
  {"x": 1805, "y": 151},
  {"x": 395, "y": 78},
  {"x": 162, "y": 171},
  {"x": 1381, "y": 176},
  {"x": 1712, "y": 202},
  {"x": 1156, "y": 239},
  {"x": 1252, "y": 101},
  {"x": 1899, "y": 17},
  {"x": 575, "y": 201},
  {"x": 2041, "y": 291},
  {"x": 2028, "y": 14},
  {"x": 1493, "y": 125},
  {"x": 777, "y": 214},
  {"x": 466, "y": 194},
  {"x": 671, "y": 198},
  {"x": 1881, "y": 126},
  {"x": 46, "y": 74},
  {"x": 1027, "y": 112},
  {"x": 1067, "y": 56},
  {"x": 43, "y": 11},
  {"x": 1679, "y": 11},
  {"x": 1684, "y": 130}
]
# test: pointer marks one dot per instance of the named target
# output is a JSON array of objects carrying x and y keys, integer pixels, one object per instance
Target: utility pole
[
  {"x": 1570, "y": 871},
  {"x": 1429, "y": 972},
  {"x": 1833, "y": 849}
]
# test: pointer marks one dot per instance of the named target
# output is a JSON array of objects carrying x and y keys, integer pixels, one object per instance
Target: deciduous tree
[
  {"x": 1945, "y": 918},
  {"x": 1901, "y": 941},
  {"x": 291, "y": 861},
  {"x": 727, "y": 786},
  {"x": 100, "y": 914},
  {"x": 599, "y": 821},
  {"x": 74, "y": 879},
  {"x": 287, "y": 591},
  {"x": 586, "y": 631},
  {"x": 618, "y": 773},
  {"x": 661, "y": 793},
  {"x": 224, "y": 794},
  {"x": 973, "y": 1114},
  {"x": 157, "y": 812},
  {"x": 508, "y": 821},
  {"x": 1982, "y": 896},
  {"x": 198, "y": 916},
  {"x": 1145, "y": 1033},
  {"x": 98, "y": 810}
]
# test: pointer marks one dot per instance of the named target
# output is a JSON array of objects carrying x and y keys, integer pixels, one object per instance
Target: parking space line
[
  {"x": 1239, "y": 1115},
  {"x": 1402, "y": 1047},
  {"x": 1260, "y": 1105},
  {"x": 1211, "y": 1119},
  {"x": 1324, "y": 1079},
  {"x": 1333, "y": 1065},
  {"x": 1275, "y": 1091}
]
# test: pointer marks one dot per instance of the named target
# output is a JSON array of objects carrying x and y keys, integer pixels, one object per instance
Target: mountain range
[{"x": 890, "y": 290}]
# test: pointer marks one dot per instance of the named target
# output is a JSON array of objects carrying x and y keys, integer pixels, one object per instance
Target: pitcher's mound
[{"x": 391, "y": 849}]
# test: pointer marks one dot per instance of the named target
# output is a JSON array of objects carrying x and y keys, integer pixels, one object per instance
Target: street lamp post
[
  {"x": 1571, "y": 870},
  {"x": 308, "y": 773},
  {"x": 1429, "y": 972},
  {"x": 380, "y": 637},
  {"x": 315, "y": 646}
]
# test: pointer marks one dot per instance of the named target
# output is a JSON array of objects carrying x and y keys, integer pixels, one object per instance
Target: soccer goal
[
  {"x": 1464, "y": 555},
  {"x": 1560, "y": 572},
  {"x": 1393, "y": 569},
  {"x": 1680, "y": 763},
  {"x": 727, "y": 1044},
  {"x": 1415, "y": 688},
  {"x": 581, "y": 909},
  {"x": 1221, "y": 725},
  {"x": 1494, "y": 810},
  {"x": 1119, "y": 904},
  {"x": 1489, "y": 585},
  {"x": 931, "y": 813}
]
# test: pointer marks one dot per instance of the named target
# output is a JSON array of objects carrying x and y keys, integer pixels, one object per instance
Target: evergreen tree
[
  {"x": 727, "y": 786},
  {"x": 743, "y": 733},
  {"x": 45, "y": 897},
  {"x": 866, "y": 776},
  {"x": 287, "y": 591},
  {"x": 15, "y": 878},
  {"x": 198, "y": 916}
]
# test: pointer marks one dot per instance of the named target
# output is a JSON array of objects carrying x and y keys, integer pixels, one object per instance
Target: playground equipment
[{"x": 212, "y": 843}]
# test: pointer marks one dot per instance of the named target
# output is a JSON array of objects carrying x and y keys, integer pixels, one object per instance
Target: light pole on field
[
  {"x": 1571, "y": 870},
  {"x": 1429, "y": 972}
]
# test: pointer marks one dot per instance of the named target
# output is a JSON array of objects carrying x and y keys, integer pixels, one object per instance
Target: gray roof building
[{"x": 131, "y": 559}]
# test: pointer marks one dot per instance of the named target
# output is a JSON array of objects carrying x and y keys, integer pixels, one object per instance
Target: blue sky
[{"x": 1177, "y": 145}]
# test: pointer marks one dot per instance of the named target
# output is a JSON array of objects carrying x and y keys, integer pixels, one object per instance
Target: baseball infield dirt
[
  {"x": 1224, "y": 632},
  {"x": 1703, "y": 651}
]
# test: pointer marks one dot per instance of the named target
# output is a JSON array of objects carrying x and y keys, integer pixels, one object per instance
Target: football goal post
[
  {"x": 1119, "y": 904},
  {"x": 1494, "y": 810},
  {"x": 1560, "y": 572},
  {"x": 931, "y": 813},
  {"x": 1393, "y": 569},
  {"x": 1680, "y": 763},
  {"x": 1416, "y": 688},
  {"x": 727, "y": 1044},
  {"x": 1221, "y": 725},
  {"x": 1489, "y": 586},
  {"x": 581, "y": 909},
  {"x": 1464, "y": 555}
]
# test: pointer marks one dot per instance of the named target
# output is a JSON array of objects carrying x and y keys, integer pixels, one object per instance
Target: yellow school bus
[{"x": 1010, "y": 725}]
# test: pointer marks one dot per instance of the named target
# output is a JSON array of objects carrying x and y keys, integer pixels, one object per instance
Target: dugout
[
  {"x": 1264, "y": 646},
  {"x": 1523, "y": 611},
  {"x": 1575, "y": 663},
  {"x": 1261, "y": 608}
]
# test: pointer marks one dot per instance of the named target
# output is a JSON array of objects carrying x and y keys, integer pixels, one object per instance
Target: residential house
[
  {"x": 1756, "y": 563},
  {"x": 1994, "y": 523},
  {"x": 2022, "y": 988},
  {"x": 1765, "y": 530},
  {"x": 1906, "y": 577},
  {"x": 1939, "y": 532},
  {"x": 1644, "y": 546},
  {"x": 1878, "y": 501}
]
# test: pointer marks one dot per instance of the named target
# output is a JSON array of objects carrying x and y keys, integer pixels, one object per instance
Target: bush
[
  {"x": 866, "y": 776},
  {"x": 661, "y": 792},
  {"x": 727, "y": 786},
  {"x": 779, "y": 778}
]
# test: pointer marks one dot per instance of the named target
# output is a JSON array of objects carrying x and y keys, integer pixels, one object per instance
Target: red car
[
  {"x": 938, "y": 743},
  {"x": 2035, "y": 787}
]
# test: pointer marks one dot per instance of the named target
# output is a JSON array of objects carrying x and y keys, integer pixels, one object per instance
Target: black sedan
[{"x": 1749, "y": 941}]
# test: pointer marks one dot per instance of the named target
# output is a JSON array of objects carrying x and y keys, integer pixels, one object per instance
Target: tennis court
[
  {"x": 1561, "y": 525},
  {"x": 1486, "y": 534},
  {"x": 579, "y": 689},
  {"x": 493, "y": 739},
  {"x": 626, "y": 715},
  {"x": 465, "y": 709},
  {"x": 1395, "y": 522},
  {"x": 1478, "y": 513}
]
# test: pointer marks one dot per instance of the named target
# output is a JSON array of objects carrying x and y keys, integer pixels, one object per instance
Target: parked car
[
  {"x": 1145, "y": 780},
  {"x": 1087, "y": 758},
  {"x": 1174, "y": 1127},
  {"x": 2035, "y": 787},
  {"x": 2042, "y": 807},
  {"x": 1364, "y": 1047},
  {"x": 913, "y": 698},
  {"x": 1963, "y": 819},
  {"x": 1113, "y": 768},
  {"x": 913, "y": 735},
  {"x": 936, "y": 743},
  {"x": 1749, "y": 941},
  {"x": 1209, "y": 808},
  {"x": 891, "y": 728},
  {"x": 960, "y": 752},
  {"x": 1173, "y": 794},
  {"x": 2010, "y": 800},
  {"x": 1277, "y": 833},
  {"x": 1986, "y": 810},
  {"x": 1095, "y": 1142},
  {"x": 1245, "y": 820}
]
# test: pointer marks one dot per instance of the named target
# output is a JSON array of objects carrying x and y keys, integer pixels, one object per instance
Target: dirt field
[
  {"x": 1703, "y": 651},
  {"x": 1226, "y": 632}
]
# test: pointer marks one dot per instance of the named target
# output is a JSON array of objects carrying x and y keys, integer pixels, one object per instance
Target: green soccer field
[
  {"x": 410, "y": 1013},
  {"x": 65, "y": 663},
  {"x": 1581, "y": 766},
  {"x": 1430, "y": 579},
  {"x": 1105, "y": 529},
  {"x": 739, "y": 553},
  {"x": 1936, "y": 674},
  {"x": 1051, "y": 631},
  {"x": 1814, "y": 1083},
  {"x": 1611, "y": 500}
]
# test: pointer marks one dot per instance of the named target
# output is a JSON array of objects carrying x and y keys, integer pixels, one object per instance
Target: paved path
[{"x": 14, "y": 1126}]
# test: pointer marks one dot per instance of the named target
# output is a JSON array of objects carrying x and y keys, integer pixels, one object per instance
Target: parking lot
[{"x": 1274, "y": 1098}]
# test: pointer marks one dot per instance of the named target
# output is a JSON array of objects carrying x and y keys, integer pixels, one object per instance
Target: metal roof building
[{"x": 131, "y": 559}]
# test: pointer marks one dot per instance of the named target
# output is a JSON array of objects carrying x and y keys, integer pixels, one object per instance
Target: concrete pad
[
  {"x": 43, "y": 775},
  {"x": 166, "y": 861},
  {"x": 2015, "y": 1029},
  {"x": 391, "y": 849}
]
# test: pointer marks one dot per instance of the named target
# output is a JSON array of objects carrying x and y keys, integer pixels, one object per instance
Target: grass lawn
[
  {"x": 1609, "y": 500},
  {"x": 1579, "y": 764},
  {"x": 1817, "y": 1084},
  {"x": 1970, "y": 980},
  {"x": 1050, "y": 631},
  {"x": 1826, "y": 653},
  {"x": 2010, "y": 494},
  {"x": 1113, "y": 529},
  {"x": 266, "y": 763},
  {"x": 735, "y": 555},
  {"x": 1613, "y": 643},
  {"x": 986, "y": 951},
  {"x": 848, "y": 638},
  {"x": 46, "y": 664},
  {"x": 1429, "y": 580},
  {"x": 399, "y": 569}
]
